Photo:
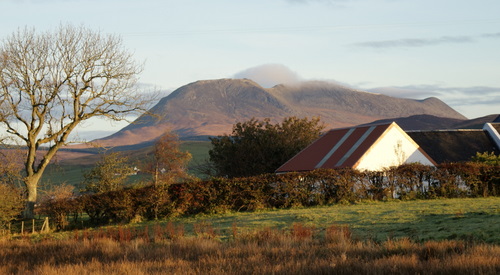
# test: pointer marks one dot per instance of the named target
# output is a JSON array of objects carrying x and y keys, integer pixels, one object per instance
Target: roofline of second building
[{"x": 445, "y": 130}]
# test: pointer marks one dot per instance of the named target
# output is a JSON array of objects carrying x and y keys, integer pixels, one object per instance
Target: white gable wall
[{"x": 393, "y": 148}]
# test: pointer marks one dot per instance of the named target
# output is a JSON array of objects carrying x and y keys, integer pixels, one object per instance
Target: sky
[{"x": 406, "y": 48}]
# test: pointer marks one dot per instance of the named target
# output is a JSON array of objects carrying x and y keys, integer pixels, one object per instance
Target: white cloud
[
  {"x": 319, "y": 1},
  {"x": 269, "y": 75},
  {"x": 415, "y": 42},
  {"x": 473, "y": 101},
  {"x": 423, "y": 42},
  {"x": 419, "y": 92}
]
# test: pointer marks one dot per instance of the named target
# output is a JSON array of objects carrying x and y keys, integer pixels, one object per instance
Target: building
[
  {"x": 380, "y": 146},
  {"x": 363, "y": 148},
  {"x": 458, "y": 145}
]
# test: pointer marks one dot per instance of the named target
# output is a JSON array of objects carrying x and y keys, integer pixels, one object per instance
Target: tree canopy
[
  {"x": 487, "y": 157},
  {"x": 109, "y": 174},
  {"x": 259, "y": 146},
  {"x": 166, "y": 163},
  {"x": 53, "y": 81}
]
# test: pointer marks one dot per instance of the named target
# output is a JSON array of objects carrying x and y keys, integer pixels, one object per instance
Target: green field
[
  {"x": 446, "y": 236},
  {"x": 63, "y": 174},
  {"x": 73, "y": 174},
  {"x": 470, "y": 219},
  {"x": 420, "y": 220},
  {"x": 199, "y": 152},
  {"x": 475, "y": 219}
]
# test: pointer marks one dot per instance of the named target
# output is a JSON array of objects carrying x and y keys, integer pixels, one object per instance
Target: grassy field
[
  {"x": 73, "y": 174},
  {"x": 448, "y": 236},
  {"x": 199, "y": 152},
  {"x": 467, "y": 219},
  {"x": 198, "y": 149},
  {"x": 260, "y": 252},
  {"x": 475, "y": 219}
]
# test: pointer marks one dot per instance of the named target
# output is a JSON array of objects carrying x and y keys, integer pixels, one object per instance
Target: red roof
[{"x": 337, "y": 148}]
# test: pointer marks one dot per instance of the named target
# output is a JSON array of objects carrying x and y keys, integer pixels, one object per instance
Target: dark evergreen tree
[{"x": 258, "y": 146}]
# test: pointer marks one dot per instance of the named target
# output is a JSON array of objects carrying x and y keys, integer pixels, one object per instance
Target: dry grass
[{"x": 298, "y": 250}]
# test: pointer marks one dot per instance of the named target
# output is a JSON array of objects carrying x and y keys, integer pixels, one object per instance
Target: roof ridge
[
  {"x": 444, "y": 130},
  {"x": 362, "y": 125}
]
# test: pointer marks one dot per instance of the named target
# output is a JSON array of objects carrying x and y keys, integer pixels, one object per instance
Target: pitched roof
[
  {"x": 454, "y": 145},
  {"x": 337, "y": 148}
]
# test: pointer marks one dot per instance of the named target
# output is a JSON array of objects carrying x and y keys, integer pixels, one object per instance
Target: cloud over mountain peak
[{"x": 269, "y": 75}]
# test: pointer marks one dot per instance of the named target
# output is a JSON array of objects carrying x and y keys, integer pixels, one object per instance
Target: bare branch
[{"x": 51, "y": 82}]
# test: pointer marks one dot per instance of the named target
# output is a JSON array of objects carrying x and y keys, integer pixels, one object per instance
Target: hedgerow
[{"x": 318, "y": 187}]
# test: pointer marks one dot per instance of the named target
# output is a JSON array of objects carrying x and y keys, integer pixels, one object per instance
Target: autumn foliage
[
  {"x": 319, "y": 187},
  {"x": 300, "y": 249}
]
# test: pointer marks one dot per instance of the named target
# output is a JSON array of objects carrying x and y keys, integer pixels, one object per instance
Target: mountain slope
[
  {"x": 342, "y": 105},
  {"x": 211, "y": 107}
]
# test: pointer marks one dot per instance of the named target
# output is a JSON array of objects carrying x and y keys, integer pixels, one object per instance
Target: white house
[{"x": 364, "y": 148}]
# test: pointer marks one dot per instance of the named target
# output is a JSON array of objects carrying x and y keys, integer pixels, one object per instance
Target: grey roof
[{"x": 454, "y": 145}]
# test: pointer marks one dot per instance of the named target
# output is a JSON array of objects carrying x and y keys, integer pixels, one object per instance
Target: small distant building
[
  {"x": 364, "y": 148},
  {"x": 380, "y": 146}
]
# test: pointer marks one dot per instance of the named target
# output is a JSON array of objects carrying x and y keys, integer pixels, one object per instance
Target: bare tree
[{"x": 52, "y": 82}]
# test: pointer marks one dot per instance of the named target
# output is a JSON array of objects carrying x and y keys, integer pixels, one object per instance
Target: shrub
[
  {"x": 488, "y": 158},
  {"x": 446, "y": 182},
  {"x": 376, "y": 185},
  {"x": 318, "y": 187},
  {"x": 412, "y": 178},
  {"x": 152, "y": 202},
  {"x": 11, "y": 204},
  {"x": 58, "y": 203},
  {"x": 58, "y": 210},
  {"x": 113, "y": 206},
  {"x": 109, "y": 173}
]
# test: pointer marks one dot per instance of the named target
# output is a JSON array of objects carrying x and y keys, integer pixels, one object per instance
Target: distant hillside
[{"x": 211, "y": 107}]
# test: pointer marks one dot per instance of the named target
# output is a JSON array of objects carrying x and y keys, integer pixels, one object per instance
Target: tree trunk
[{"x": 31, "y": 187}]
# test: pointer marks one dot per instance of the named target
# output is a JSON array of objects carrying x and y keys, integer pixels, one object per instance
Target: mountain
[{"x": 211, "y": 107}]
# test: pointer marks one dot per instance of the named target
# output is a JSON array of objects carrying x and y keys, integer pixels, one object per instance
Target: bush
[
  {"x": 149, "y": 201},
  {"x": 59, "y": 209},
  {"x": 318, "y": 187},
  {"x": 11, "y": 204},
  {"x": 113, "y": 206},
  {"x": 109, "y": 174},
  {"x": 58, "y": 203}
]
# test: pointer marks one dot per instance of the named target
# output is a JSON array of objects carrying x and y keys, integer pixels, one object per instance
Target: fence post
[
  {"x": 45, "y": 226},
  {"x": 33, "y": 231}
]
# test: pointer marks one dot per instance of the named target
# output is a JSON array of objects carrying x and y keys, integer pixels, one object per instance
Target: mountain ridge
[{"x": 211, "y": 107}]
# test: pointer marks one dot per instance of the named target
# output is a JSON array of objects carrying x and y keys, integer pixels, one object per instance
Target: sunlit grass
[
  {"x": 447, "y": 236},
  {"x": 298, "y": 249},
  {"x": 421, "y": 220},
  {"x": 475, "y": 219}
]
